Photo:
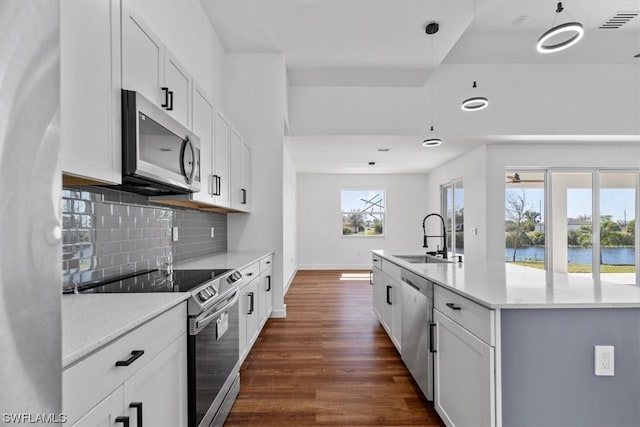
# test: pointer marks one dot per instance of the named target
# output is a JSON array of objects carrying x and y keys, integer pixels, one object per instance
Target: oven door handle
[{"x": 200, "y": 323}]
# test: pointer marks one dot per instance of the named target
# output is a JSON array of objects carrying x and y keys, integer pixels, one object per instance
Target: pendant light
[
  {"x": 431, "y": 29},
  {"x": 475, "y": 103},
  {"x": 568, "y": 27}
]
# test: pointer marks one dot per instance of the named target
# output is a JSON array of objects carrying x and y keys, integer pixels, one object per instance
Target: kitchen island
[{"x": 515, "y": 346}]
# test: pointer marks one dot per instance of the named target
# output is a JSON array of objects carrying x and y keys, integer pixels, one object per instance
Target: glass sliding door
[
  {"x": 524, "y": 216},
  {"x": 452, "y": 195},
  {"x": 618, "y": 201}
]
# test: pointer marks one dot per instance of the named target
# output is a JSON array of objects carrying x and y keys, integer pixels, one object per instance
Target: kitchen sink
[{"x": 422, "y": 259}]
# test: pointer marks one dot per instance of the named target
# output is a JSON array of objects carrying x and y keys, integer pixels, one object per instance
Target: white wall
[
  {"x": 289, "y": 220},
  {"x": 184, "y": 28},
  {"x": 254, "y": 95},
  {"x": 483, "y": 172},
  {"x": 320, "y": 241},
  {"x": 471, "y": 168}
]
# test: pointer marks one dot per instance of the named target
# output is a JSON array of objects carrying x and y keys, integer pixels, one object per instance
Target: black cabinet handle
[
  {"x": 268, "y": 262},
  {"x": 249, "y": 274},
  {"x": 388, "y": 295},
  {"x": 135, "y": 355},
  {"x": 452, "y": 306},
  {"x": 166, "y": 97},
  {"x": 268, "y": 283},
  {"x": 216, "y": 191},
  {"x": 170, "y": 107},
  {"x": 432, "y": 335},
  {"x": 250, "y": 295},
  {"x": 138, "y": 408},
  {"x": 371, "y": 277},
  {"x": 244, "y": 196},
  {"x": 123, "y": 420}
]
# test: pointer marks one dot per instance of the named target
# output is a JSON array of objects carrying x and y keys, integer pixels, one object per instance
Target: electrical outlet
[
  {"x": 213, "y": 234},
  {"x": 174, "y": 234},
  {"x": 604, "y": 360},
  {"x": 473, "y": 231}
]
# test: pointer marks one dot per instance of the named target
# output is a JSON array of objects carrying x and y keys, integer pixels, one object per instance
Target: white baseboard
[
  {"x": 288, "y": 283},
  {"x": 279, "y": 314},
  {"x": 334, "y": 267}
]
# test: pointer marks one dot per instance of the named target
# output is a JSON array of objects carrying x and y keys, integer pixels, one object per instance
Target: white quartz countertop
[
  {"x": 90, "y": 321},
  {"x": 237, "y": 260},
  {"x": 512, "y": 286}
]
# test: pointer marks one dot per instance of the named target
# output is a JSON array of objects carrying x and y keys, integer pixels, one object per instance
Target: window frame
[{"x": 452, "y": 185}]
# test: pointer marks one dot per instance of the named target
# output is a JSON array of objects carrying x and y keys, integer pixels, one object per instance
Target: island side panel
[{"x": 547, "y": 362}]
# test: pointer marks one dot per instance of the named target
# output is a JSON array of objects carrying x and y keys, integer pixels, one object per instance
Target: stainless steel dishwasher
[{"x": 417, "y": 309}]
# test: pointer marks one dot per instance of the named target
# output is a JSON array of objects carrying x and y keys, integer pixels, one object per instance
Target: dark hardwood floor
[{"x": 328, "y": 363}]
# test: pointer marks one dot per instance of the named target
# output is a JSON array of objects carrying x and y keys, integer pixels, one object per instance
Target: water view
[{"x": 610, "y": 256}]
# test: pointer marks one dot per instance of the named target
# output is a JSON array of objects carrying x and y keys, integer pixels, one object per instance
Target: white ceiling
[{"x": 364, "y": 65}]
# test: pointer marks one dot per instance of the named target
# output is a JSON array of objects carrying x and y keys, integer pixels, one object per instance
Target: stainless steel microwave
[{"x": 159, "y": 155}]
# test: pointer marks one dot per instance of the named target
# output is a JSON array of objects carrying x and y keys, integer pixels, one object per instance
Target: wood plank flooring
[{"x": 329, "y": 363}]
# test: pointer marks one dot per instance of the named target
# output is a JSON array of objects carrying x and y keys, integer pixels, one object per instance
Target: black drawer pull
[
  {"x": 166, "y": 97},
  {"x": 452, "y": 306},
  {"x": 432, "y": 336},
  {"x": 388, "y": 295},
  {"x": 250, "y": 295},
  {"x": 135, "y": 355},
  {"x": 249, "y": 274},
  {"x": 138, "y": 407},
  {"x": 123, "y": 420},
  {"x": 268, "y": 283}
]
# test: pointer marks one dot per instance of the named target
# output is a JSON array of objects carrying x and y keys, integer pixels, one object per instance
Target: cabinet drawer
[
  {"x": 90, "y": 380},
  {"x": 250, "y": 272},
  {"x": 472, "y": 316},
  {"x": 392, "y": 270},
  {"x": 265, "y": 263},
  {"x": 376, "y": 260}
]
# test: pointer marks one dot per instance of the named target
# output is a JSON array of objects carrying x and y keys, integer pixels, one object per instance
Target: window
[
  {"x": 590, "y": 227},
  {"x": 453, "y": 214},
  {"x": 362, "y": 212},
  {"x": 524, "y": 218}
]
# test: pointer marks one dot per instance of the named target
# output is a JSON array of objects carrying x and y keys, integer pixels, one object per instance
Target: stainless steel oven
[{"x": 213, "y": 357}]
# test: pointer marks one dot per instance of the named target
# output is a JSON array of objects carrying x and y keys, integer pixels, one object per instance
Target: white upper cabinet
[
  {"x": 221, "y": 148},
  {"x": 240, "y": 173},
  {"x": 152, "y": 70},
  {"x": 203, "y": 115},
  {"x": 90, "y": 89}
]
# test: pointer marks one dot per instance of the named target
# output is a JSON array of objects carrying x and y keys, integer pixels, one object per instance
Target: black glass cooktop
[{"x": 153, "y": 281}]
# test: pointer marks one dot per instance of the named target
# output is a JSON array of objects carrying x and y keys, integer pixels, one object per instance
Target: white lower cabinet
[
  {"x": 248, "y": 317},
  {"x": 378, "y": 291},
  {"x": 140, "y": 378},
  {"x": 392, "y": 310},
  {"x": 464, "y": 369},
  {"x": 104, "y": 414},
  {"x": 265, "y": 301}
]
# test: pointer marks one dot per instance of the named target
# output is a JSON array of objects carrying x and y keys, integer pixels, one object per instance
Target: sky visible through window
[
  {"x": 618, "y": 201},
  {"x": 352, "y": 199}
]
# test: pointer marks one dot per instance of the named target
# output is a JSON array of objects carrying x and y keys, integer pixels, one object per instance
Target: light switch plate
[
  {"x": 174, "y": 234},
  {"x": 604, "y": 360}
]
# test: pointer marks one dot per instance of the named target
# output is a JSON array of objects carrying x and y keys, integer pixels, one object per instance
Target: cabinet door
[
  {"x": 396, "y": 323},
  {"x": 221, "y": 159},
  {"x": 268, "y": 293},
  {"x": 261, "y": 299},
  {"x": 104, "y": 414},
  {"x": 161, "y": 387},
  {"x": 142, "y": 58},
  {"x": 246, "y": 177},
  {"x": 90, "y": 89},
  {"x": 378, "y": 293},
  {"x": 203, "y": 128},
  {"x": 464, "y": 392},
  {"x": 178, "y": 82},
  {"x": 387, "y": 310},
  {"x": 237, "y": 184},
  {"x": 251, "y": 311}
]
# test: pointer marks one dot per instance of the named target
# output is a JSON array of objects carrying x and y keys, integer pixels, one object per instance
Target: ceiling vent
[{"x": 618, "y": 20}]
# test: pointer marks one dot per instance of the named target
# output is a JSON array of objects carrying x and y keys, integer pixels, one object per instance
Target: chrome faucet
[{"x": 442, "y": 252}]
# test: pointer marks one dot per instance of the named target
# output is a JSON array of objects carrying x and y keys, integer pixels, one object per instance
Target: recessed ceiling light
[
  {"x": 432, "y": 142},
  {"x": 520, "y": 19}
]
